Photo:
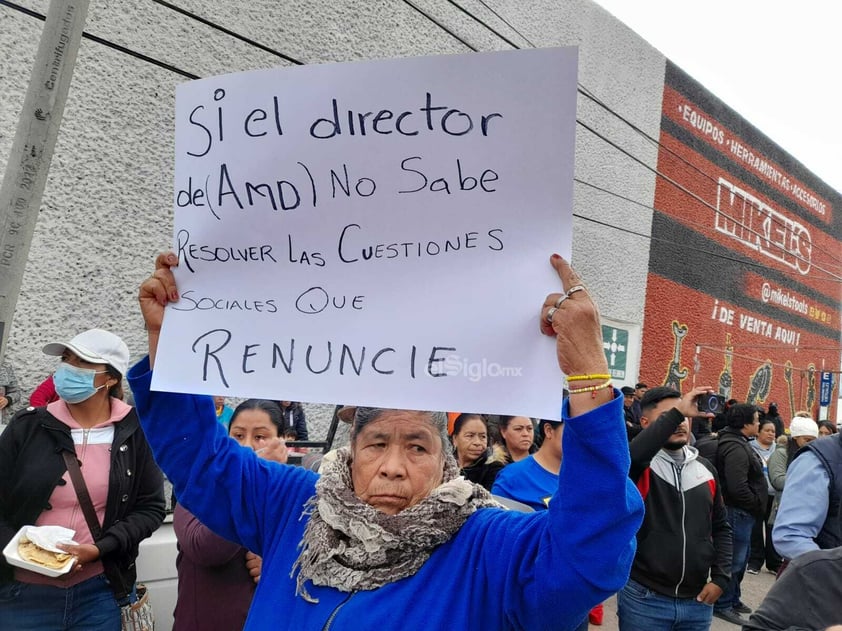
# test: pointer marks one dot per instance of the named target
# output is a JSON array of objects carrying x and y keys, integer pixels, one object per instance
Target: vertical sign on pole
[
  {"x": 32, "y": 150},
  {"x": 826, "y": 388}
]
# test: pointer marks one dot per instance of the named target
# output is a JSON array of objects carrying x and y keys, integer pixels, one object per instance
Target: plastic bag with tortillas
[
  {"x": 38, "y": 545},
  {"x": 47, "y": 537}
]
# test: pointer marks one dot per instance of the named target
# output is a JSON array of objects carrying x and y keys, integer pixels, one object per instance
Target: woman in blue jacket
[{"x": 385, "y": 537}]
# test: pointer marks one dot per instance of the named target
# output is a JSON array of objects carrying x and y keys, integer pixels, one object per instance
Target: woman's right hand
[
  {"x": 275, "y": 449},
  {"x": 155, "y": 292}
]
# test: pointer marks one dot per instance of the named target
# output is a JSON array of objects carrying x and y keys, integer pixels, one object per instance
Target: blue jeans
[
  {"x": 638, "y": 608},
  {"x": 741, "y": 524},
  {"x": 88, "y": 606}
]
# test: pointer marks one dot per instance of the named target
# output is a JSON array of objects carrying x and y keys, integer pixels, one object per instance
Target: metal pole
[{"x": 32, "y": 150}]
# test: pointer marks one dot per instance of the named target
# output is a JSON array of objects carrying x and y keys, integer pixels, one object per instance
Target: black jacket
[
  {"x": 707, "y": 446},
  {"x": 632, "y": 422},
  {"x": 805, "y": 597},
  {"x": 685, "y": 533},
  {"x": 294, "y": 419},
  {"x": 484, "y": 470},
  {"x": 744, "y": 485},
  {"x": 779, "y": 423},
  {"x": 31, "y": 466}
]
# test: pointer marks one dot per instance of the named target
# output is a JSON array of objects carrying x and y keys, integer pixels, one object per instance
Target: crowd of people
[
  {"x": 746, "y": 452},
  {"x": 677, "y": 506}
]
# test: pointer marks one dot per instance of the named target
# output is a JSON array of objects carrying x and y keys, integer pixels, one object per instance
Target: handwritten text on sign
[{"x": 373, "y": 233}]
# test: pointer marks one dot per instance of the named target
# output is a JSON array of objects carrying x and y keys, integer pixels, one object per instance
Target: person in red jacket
[{"x": 45, "y": 393}]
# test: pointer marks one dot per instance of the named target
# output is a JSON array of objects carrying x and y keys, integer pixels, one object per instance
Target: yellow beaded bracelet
[
  {"x": 592, "y": 389},
  {"x": 587, "y": 377}
]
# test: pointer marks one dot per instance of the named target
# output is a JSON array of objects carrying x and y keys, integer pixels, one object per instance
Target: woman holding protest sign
[{"x": 390, "y": 525}]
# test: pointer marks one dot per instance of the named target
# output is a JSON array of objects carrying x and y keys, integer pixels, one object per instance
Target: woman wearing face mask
[
  {"x": 124, "y": 483},
  {"x": 217, "y": 578}
]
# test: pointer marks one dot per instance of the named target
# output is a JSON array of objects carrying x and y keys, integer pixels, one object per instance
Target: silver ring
[
  {"x": 574, "y": 289},
  {"x": 560, "y": 300},
  {"x": 550, "y": 314}
]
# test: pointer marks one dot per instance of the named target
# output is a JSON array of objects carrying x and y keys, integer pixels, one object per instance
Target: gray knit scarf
[{"x": 351, "y": 546}]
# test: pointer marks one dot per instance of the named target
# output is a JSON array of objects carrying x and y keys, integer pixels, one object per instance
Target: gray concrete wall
[{"x": 107, "y": 205}]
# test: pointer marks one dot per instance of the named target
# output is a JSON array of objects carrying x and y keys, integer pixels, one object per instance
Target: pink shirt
[{"x": 93, "y": 449}]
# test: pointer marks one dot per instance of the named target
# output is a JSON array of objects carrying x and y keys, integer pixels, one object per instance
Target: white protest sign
[{"x": 373, "y": 233}]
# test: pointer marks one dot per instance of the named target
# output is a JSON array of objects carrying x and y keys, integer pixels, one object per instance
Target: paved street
[{"x": 754, "y": 589}]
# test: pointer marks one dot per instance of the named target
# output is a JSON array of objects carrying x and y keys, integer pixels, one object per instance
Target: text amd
[{"x": 299, "y": 186}]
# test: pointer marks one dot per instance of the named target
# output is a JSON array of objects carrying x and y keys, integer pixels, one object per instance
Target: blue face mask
[{"x": 74, "y": 384}]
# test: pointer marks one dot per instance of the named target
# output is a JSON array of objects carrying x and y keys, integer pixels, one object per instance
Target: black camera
[{"x": 710, "y": 402}]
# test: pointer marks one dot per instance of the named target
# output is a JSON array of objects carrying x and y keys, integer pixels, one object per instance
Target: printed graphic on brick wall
[{"x": 745, "y": 267}]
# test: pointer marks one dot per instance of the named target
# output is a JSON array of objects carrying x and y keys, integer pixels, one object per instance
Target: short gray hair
[
  {"x": 450, "y": 468},
  {"x": 364, "y": 416}
]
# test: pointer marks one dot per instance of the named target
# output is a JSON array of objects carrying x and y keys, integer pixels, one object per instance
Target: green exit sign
[{"x": 615, "y": 343}]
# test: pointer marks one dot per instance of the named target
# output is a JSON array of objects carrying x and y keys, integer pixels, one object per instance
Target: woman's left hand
[
  {"x": 84, "y": 553},
  {"x": 572, "y": 318},
  {"x": 254, "y": 564}
]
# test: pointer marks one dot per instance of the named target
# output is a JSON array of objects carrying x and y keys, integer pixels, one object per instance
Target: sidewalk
[{"x": 754, "y": 589}]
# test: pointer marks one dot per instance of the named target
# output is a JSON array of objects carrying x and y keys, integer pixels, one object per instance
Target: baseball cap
[
  {"x": 97, "y": 347},
  {"x": 800, "y": 426},
  {"x": 627, "y": 390}
]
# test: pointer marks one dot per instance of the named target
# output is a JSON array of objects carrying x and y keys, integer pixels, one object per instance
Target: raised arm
[
  {"x": 227, "y": 487},
  {"x": 573, "y": 319},
  {"x": 650, "y": 441},
  {"x": 580, "y": 550},
  {"x": 155, "y": 292}
]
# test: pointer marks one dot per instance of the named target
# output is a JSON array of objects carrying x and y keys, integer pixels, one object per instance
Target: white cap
[
  {"x": 96, "y": 347},
  {"x": 800, "y": 426}
]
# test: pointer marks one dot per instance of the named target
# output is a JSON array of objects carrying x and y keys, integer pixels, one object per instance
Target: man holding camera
[{"x": 685, "y": 537}]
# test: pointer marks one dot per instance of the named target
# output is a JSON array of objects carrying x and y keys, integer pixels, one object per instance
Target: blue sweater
[
  {"x": 527, "y": 482},
  {"x": 503, "y": 570}
]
